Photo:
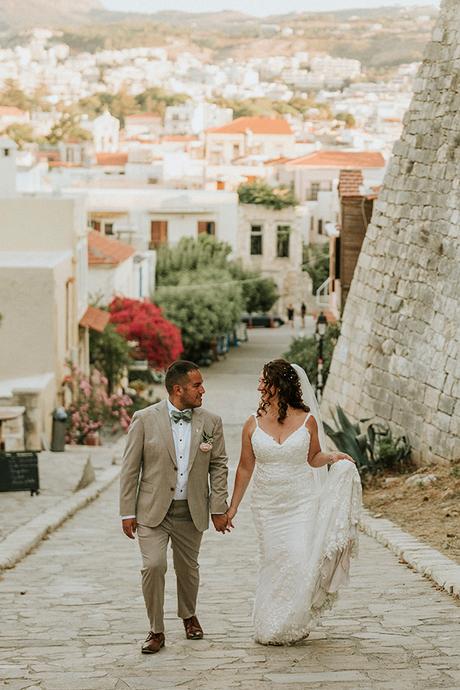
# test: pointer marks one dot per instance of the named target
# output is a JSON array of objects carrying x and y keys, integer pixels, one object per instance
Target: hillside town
[{"x": 106, "y": 192}]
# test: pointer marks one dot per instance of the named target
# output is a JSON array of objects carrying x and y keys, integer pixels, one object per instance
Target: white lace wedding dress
[{"x": 306, "y": 535}]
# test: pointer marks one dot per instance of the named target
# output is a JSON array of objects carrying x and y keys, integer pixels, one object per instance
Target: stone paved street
[{"x": 72, "y": 614}]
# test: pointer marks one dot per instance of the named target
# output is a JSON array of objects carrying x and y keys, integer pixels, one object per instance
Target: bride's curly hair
[{"x": 282, "y": 377}]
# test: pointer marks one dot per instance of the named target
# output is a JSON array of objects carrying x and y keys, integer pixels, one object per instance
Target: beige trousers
[{"x": 185, "y": 541}]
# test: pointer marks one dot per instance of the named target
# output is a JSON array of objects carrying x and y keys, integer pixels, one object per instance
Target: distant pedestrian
[
  {"x": 303, "y": 313},
  {"x": 290, "y": 314}
]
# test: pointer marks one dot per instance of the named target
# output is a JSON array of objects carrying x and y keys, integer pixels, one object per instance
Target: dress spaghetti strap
[
  {"x": 306, "y": 419},
  {"x": 254, "y": 414}
]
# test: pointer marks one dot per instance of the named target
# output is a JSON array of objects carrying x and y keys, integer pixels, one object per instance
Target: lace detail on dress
[{"x": 306, "y": 539}]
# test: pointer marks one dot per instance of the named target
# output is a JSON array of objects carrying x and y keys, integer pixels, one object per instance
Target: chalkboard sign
[{"x": 19, "y": 472}]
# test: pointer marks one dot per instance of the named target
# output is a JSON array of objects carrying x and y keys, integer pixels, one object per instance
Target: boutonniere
[{"x": 206, "y": 442}]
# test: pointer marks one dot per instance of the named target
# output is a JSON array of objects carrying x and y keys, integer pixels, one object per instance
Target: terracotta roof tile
[
  {"x": 257, "y": 125},
  {"x": 107, "y": 251},
  {"x": 94, "y": 318},
  {"x": 341, "y": 159},
  {"x": 349, "y": 182},
  {"x": 143, "y": 116},
  {"x": 11, "y": 110},
  {"x": 179, "y": 137},
  {"x": 111, "y": 158}
]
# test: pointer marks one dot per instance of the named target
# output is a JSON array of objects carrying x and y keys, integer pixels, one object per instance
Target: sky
[{"x": 256, "y": 7}]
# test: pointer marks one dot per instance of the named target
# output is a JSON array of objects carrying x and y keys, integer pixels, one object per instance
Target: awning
[{"x": 95, "y": 318}]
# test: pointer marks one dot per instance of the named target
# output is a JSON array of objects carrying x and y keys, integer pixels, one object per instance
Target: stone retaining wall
[{"x": 398, "y": 357}]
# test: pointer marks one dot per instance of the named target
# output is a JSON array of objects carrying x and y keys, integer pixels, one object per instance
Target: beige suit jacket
[{"x": 149, "y": 470}]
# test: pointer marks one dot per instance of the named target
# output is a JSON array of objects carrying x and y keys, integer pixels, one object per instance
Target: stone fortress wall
[{"x": 398, "y": 357}]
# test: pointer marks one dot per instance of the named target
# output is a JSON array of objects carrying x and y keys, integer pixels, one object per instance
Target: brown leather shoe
[
  {"x": 153, "y": 643},
  {"x": 193, "y": 629}
]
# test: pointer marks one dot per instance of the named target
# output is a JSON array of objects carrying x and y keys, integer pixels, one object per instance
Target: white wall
[
  {"x": 294, "y": 285},
  {"x": 35, "y": 313},
  {"x": 181, "y": 208},
  {"x": 104, "y": 282}
]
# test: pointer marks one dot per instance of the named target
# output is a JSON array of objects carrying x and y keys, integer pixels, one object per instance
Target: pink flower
[{"x": 205, "y": 447}]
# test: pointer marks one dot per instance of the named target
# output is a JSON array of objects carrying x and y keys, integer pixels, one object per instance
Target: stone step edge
[
  {"x": 424, "y": 559},
  {"x": 22, "y": 540}
]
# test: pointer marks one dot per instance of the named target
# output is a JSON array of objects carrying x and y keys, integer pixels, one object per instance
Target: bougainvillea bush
[
  {"x": 91, "y": 407},
  {"x": 157, "y": 339}
]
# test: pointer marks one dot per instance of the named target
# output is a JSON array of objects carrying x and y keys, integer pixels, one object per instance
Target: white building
[
  {"x": 315, "y": 179},
  {"x": 106, "y": 133},
  {"x": 147, "y": 217},
  {"x": 271, "y": 242},
  {"x": 262, "y": 136},
  {"x": 116, "y": 269}
]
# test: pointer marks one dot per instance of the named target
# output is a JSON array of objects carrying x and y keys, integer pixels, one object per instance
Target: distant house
[
  {"x": 248, "y": 136},
  {"x": 142, "y": 125},
  {"x": 10, "y": 115},
  {"x": 115, "y": 268},
  {"x": 147, "y": 217},
  {"x": 315, "y": 179},
  {"x": 271, "y": 242}
]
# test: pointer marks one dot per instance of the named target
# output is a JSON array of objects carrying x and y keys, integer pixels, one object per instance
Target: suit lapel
[
  {"x": 196, "y": 431},
  {"x": 165, "y": 428}
]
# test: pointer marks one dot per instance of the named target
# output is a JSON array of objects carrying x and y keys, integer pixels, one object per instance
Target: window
[
  {"x": 282, "y": 241},
  {"x": 108, "y": 228},
  {"x": 256, "y": 240},
  {"x": 236, "y": 150},
  {"x": 314, "y": 189},
  {"x": 206, "y": 227},
  {"x": 6, "y": 152},
  {"x": 320, "y": 226},
  {"x": 96, "y": 225},
  {"x": 312, "y": 224},
  {"x": 158, "y": 233}
]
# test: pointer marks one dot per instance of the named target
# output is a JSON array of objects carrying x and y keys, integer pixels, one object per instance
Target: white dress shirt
[{"x": 182, "y": 433}]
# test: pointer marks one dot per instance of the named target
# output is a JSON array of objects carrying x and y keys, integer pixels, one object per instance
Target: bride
[{"x": 305, "y": 516}]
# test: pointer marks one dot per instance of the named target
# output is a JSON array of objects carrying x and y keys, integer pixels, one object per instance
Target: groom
[{"x": 174, "y": 473}]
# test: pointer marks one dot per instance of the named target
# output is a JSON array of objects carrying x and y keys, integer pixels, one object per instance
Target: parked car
[{"x": 262, "y": 320}]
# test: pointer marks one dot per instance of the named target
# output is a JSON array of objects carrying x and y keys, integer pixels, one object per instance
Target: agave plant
[
  {"x": 348, "y": 437},
  {"x": 374, "y": 449}
]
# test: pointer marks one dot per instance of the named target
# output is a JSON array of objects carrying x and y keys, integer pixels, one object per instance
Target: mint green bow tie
[{"x": 185, "y": 416}]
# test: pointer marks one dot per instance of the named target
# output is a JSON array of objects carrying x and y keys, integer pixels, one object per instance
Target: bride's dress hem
[{"x": 326, "y": 598}]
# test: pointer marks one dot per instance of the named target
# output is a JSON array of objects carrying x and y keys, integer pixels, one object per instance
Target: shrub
[
  {"x": 157, "y": 339},
  {"x": 201, "y": 312},
  {"x": 374, "y": 450},
  {"x": 304, "y": 352},
  {"x": 259, "y": 192},
  {"x": 91, "y": 407},
  {"x": 316, "y": 263},
  {"x": 109, "y": 353}
]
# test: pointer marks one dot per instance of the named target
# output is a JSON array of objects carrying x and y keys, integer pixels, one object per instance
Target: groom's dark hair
[{"x": 177, "y": 373}]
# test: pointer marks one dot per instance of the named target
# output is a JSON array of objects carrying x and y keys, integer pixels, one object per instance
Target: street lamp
[{"x": 320, "y": 332}]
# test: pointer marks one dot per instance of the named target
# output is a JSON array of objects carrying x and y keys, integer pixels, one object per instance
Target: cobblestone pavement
[{"x": 72, "y": 615}]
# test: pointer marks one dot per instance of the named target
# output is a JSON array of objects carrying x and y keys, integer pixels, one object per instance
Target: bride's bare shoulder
[{"x": 249, "y": 424}]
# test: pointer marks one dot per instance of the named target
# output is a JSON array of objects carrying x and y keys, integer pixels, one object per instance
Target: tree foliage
[
  {"x": 259, "y": 192},
  {"x": 204, "y": 292},
  {"x": 110, "y": 353},
  {"x": 66, "y": 129},
  {"x": 190, "y": 255},
  {"x": 316, "y": 263},
  {"x": 122, "y": 103},
  {"x": 304, "y": 352},
  {"x": 21, "y": 133},
  {"x": 204, "y": 305},
  {"x": 259, "y": 293},
  {"x": 13, "y": 95},
  {"x": 157, "y": 339}
]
